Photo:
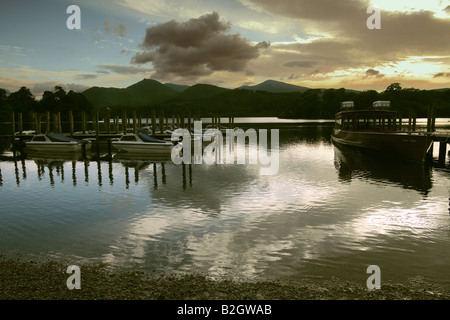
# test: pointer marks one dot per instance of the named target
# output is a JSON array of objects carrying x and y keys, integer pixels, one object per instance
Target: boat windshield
[
  {"x": 56, "y": 137},
  {"x": 146, "y": 138}
]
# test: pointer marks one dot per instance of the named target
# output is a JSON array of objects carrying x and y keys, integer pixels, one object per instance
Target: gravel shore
[{"x": 22, "y": 279}]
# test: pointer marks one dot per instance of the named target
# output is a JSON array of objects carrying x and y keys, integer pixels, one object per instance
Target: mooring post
[
  {"x": 97, "y": 129},
  {"x": 161, "y": 121},
  {"x": 433, "y": 118},
  {"x": 173, "y": 122},
  {"x": 71, "y": 123},
  {"x": 442, "y": 150},
  {"x": 134, "y": 122},
  {"x": 153, "y": 122},
  {"x": 20, "y": 123},
  {"x": 13, "y": 123},
  {"x": 59, "y": 122},
  {"x": 47, "y": 124},
  {"x": 183, "y": 124},
  {"x": 124, "y": 122},
  {"x": 108, "y": 117},
  {"x": 36, "y": 122},
  {"x": 189, "y": 121},
  {"x": 83, "y": 121}
]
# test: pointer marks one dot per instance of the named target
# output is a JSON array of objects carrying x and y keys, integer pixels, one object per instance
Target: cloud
[
  {"x": 115, "y": 28},
  {"x": 197, "y": 47},
  {"x": 373, "y": 73},
  {"x": 350, "y": 44},
  {"x": 442, "y": 74},
  {"x": 87, "y": 76},
  {"x": 122, "y": 69},
  {"x": 38, "y": 88},
  {"x": 301, "y": 64}
]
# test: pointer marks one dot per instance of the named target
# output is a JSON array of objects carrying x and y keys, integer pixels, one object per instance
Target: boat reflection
[{"x": 354, "y": 164}]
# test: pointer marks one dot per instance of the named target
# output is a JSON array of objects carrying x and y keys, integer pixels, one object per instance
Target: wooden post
[
  {"x": 97, "y": 129},
  {"x": 20, "y": 123},
  {"x": 117, "y": 124},
  {"x": 442, "y": 151},
  {"x": 83, "y": 121},
  {"x": 71, "y": 122},
  {"x": 124, "y": 122},
  {"x": 433, "y": 119},
  {"x": 36, "y": 123},
  {"x": 134, "y": 122},
  {"x": 414, "y": 120},
  {"x": 153, "y": 123},
  {"x": 161, "y": 121},
  {"x": 59, "y": 122},
  {"x": 400, "y": 121},
  {"x": 429, "y": 119},
  {"x": 173, "y": 122},
  {"x": 13, "y": 123},
  {"x": 47, "y": 129},
  {"x": 108, "y": 116}
]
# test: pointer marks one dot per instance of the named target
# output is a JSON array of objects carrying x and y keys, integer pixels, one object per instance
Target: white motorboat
[
  {"x": 141, "y": 143},
  {"x": 54, "y": 142}
]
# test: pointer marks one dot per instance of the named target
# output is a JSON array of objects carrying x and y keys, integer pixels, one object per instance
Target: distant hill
[
  {"x": 144, "y": 92},
  {"x": 200, "y": 91},
  {"x": 176, "y": 87},
  {"x": 275, "y": 86}
]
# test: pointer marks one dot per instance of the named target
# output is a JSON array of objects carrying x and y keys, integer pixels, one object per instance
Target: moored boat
[
  {"x": 141, "y": 143},
  {"x": 54, "y": 142},
  {"x": 376, "y": 130}
]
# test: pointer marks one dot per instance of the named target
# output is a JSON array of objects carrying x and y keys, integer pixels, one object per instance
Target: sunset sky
[{"x": 317, "y": 44}]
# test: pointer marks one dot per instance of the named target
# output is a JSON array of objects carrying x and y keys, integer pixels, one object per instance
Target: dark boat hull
[{"x": 412, "y": 147}]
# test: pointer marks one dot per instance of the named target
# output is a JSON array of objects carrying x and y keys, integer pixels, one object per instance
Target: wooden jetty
[{"x": 100, "y": 130}]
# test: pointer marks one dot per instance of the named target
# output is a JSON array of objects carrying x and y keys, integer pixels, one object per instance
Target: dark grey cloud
[
  {"x": 442, "y": 74},
  {"x": 122, "y": 69},
  {"x": 197, "y": 47},
  {"x": 373, "y": 73}
]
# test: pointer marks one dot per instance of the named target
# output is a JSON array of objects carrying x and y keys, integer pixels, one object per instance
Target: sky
[{"x": 316, "y": 44}]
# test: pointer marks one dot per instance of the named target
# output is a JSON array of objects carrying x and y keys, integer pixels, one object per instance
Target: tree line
[
  {"x": 311, "y": 104},
  {"x": 23, "y": 101}
]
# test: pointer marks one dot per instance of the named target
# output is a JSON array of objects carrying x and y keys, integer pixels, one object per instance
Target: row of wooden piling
[{"x": 52, "y": 122}]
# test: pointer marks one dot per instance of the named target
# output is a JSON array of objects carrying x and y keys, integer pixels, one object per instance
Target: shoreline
[{"x": 24, "y": 279}]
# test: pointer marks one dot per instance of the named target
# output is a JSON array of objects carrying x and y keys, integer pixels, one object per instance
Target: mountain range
[{"x": 149, "y": 92}]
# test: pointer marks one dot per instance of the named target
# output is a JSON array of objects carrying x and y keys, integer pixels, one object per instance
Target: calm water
[{"x": 328, "y": 212}]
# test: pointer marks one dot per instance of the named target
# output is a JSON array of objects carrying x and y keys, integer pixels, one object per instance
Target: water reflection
[{"x": 354, "y": 164}]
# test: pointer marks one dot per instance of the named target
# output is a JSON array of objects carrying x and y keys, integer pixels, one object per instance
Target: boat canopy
[
  {"x": 381, "y": 104},
  {"x": 56, "y": 137},
  {"x": 146, "y": 138},
  {"x": 347, "y": 105}
]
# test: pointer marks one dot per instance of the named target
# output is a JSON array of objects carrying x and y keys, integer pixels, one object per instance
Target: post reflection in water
[{"x": 56, "y": 168}]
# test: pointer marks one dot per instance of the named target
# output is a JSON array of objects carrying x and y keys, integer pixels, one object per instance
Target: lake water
[{"x": 327, "y": 212}]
